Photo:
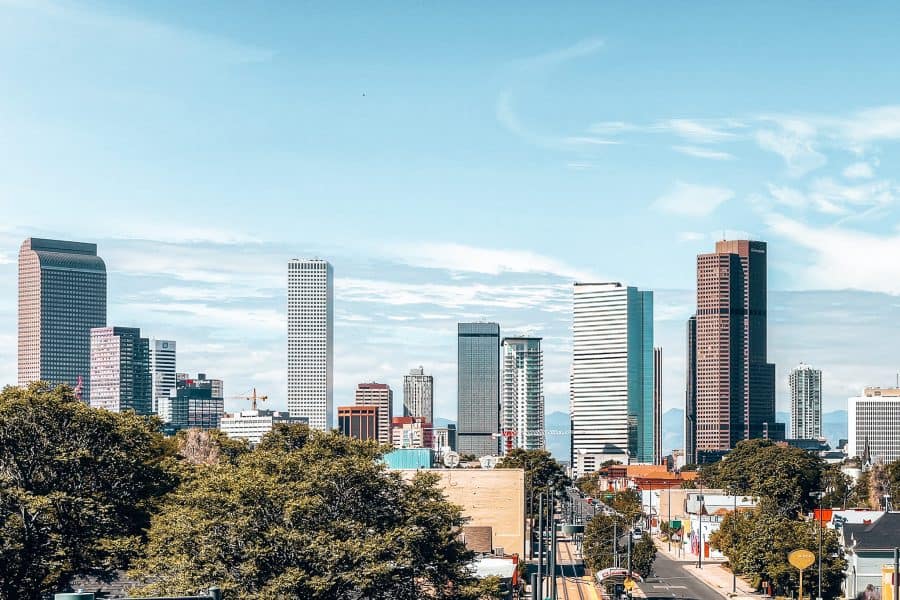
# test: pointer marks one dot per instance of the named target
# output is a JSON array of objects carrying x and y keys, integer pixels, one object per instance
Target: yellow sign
[
  {"x": 801, "y": 559},
  {"x": 887, "y": 582},
  {"x": 629, "y": 584}
]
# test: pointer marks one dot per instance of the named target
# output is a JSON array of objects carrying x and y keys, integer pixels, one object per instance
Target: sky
[{"x": 456, "y": 161}]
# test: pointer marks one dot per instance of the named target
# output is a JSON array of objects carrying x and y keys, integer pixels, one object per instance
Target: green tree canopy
[
  {"x": 600, "y": 549},
  {"x": 541, "y": 471},
  {"x": 758, "y": 542},
  {"x": 781, "y": 476},
  {"x": 308, "y": 515},
  {"x": 76, "y": 488}
]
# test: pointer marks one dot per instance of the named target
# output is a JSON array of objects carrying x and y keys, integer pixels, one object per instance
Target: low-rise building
[
  {"x": 481, "y": 493},
  {"x": 252, "y": 425},
  {"x": 411, "y": 432},
  {"x": 867, "y": 548},
  {"x": 360, "y": 422}
]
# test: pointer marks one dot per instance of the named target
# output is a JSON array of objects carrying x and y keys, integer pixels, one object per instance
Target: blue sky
[{"x": 456, "y": 161}]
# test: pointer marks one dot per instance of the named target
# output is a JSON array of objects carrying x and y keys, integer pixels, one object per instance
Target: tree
[
  {"x": 643, "y": 553},
  {"x": 838, "y": 488},
  {"x": 599, "y": 549},
  {"x": 541, "y": 471},
  {"x": 312, "y": 515},
  {"x": 757, "y": 544},
  {"x": 77, "y": 486},
  {"x": 781, "y": 476},
  {"x": 208, "y": 447},
  {"x": 628, "y": 503}
]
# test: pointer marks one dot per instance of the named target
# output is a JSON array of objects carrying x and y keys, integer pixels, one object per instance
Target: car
[{"x": 637, "y": 533}]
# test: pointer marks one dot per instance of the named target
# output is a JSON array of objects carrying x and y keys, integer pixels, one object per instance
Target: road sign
[{"x": 801, "y": 559}]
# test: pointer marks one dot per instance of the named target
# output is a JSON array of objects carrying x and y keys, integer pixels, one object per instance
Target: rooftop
[{"x": 882, "y": 534}]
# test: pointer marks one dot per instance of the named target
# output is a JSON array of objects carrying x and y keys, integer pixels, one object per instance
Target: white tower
[
  {"x": 311, "y": 341},
  {"x": 806, "y": 403}
]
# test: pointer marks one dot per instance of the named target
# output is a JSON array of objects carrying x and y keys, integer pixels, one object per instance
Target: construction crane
[{"x": 253, "y": 398}]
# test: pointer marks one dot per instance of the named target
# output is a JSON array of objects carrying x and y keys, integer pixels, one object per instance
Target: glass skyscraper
[
  {"x": 120, "y": 370},
  {"x": 62, "y": 296},
  {"x": 612, "y": 379},
  {"x": 522, "y": 394},
  {"x": 478, "y": 388}
]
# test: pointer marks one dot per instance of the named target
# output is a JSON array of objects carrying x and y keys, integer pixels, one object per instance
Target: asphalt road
[{"x": 672, "y": 579}]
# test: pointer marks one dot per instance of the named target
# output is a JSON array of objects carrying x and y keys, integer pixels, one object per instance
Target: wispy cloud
[
  {"x": 561, "y": 55},
  {"x": 795, "y": 147},
  {"x": 490, "y": 261},
  {"x": 136, "y": 31},
  {"x": 859, "y": 170},
  {"x": 688, "y": 199},
  {"x": 827, "y": 196},
  {"x": 703, "y": 152}
]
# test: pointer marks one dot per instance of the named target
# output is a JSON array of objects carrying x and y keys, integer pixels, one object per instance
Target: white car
[{"x": 637, "y": 533}]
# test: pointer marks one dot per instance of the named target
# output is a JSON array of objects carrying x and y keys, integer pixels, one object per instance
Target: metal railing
[{"x": 213, "y": 593}]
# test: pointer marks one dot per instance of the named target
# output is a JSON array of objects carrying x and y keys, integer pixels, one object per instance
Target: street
[{"x": 672, "y": 579}]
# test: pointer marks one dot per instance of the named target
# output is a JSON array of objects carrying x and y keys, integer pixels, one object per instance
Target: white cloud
[
  {"x": 490, "y": 261},
  {"x": 690, "y": 236},
  {"x": 556, "y": 57},
  {"x": 794, "y": 146},
  {"x": 703, "y": 152},
  {"x": 692, "y": 200},
  {"x": 699, "y": 131},
  {"x": 591, "y": 141},
  {"x": 871, "y": 124},
  {"x": 788, "y": 196},
  {"x": 860, "y": 170},
  {"x": 842, "y": 258}
]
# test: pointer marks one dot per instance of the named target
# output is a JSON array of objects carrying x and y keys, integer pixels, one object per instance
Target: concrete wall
[{"x": 492, "y": 498}]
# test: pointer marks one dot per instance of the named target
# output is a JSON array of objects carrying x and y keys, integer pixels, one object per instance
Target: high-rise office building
[
  {"x": 310, "y": 313},
  {"x": 657, "y": 406},
  {"x": 418, "y": 395},
  {"x": 806, "y": 402},
  {"x": 200, "y": 400},
  {"x": 62, "y": 296},
  {"x": 522, "y": 394},
  {"x": 735, "y": 385},
  {"x": 478, "y": 388},
  {"x": 360, "y": 422},
  {"x": 120, "y": 370},
  {"x": 380, "y": 395},
  {"x": 611, "y": 392},
  {"x": 690, "y": 394},
  {"x": 162, "y": 369},
  {"x": 872, "y": 419}
]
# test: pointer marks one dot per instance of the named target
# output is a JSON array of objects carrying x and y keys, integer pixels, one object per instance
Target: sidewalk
[{"x": 712, "y": 574}]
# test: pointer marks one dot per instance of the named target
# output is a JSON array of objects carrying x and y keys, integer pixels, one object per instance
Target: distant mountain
[
  {"x": 673, "y": 430},
  {"x": 556, "y": 427},
  {"x": 558, "y": 432}
]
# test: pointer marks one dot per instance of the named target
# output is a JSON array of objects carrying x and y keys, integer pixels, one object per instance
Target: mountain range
[{"x": 559, "y": 435}]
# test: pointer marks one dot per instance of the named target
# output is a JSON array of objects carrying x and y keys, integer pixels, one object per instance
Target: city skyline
[{"x": 662, "y": 166}]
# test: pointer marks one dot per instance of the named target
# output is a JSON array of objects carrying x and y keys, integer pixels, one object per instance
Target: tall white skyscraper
[
  {"x": 806, "y": 402},
  {"x": 611, "y": 394},
  {"x": 522, "y": 394},
  {"x": 162, "y": 372},
  {"x": 311, "y": 341},
  {"x": 418, "y": 395},
  {"x": 872, "y": 429}
]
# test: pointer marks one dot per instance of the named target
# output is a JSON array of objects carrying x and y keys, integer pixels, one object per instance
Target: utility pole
[
  {"x": 540, "y": 546},
  {"x": 896, "y": 573},
  {"x": 700, "y": 553},
  {"x": 669, "y": 500},
  {"x": 553, "y": 560},
  {"x": 819, "y": 495},
  {"x": 629, "y": 553},
  {"x": 615, "y": 544},
  {"x": 734, "y": 537}
]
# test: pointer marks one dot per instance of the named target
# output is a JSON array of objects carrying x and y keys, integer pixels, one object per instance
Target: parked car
[{"x": 637, "y": 533}]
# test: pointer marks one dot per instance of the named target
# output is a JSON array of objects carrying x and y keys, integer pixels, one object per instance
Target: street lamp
[{"x": 819, "y": 495}]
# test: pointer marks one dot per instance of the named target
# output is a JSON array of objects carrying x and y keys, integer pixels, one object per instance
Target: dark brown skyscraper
[{"x": 734, "y": 385}]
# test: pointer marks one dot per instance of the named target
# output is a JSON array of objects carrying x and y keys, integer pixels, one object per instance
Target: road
[{"x": 672, "y": 579}]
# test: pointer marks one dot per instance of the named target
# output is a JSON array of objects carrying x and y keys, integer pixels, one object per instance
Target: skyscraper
[
  {"x": 200, "y": 399},
  {"x": 657, "y": 406},
  {"x": 611, "y": 390},
  {"x": 478, "y": 388},
  {"x": 872, "y": 419},
  {"x": 735, "y": 385},
  {"x": 806, "y": 402},
  {"x": 690, "y": 394},
  {"x": 522, "y": 393},
  {"x": 120, "y": 370},
  {"x": 62, "y": 296},
  {"x": 311, "y": 341},
  {"x": 418, "y": 395},
  {"x": 380, "y": 395},
  {"x": 162, "y": 369}
]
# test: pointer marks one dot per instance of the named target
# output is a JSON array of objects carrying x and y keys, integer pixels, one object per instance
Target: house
[{"x": 868, "y": 547}]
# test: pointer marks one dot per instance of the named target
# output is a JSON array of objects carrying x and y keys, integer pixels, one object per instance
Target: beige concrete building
[{"x": 493, "y": 498}]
